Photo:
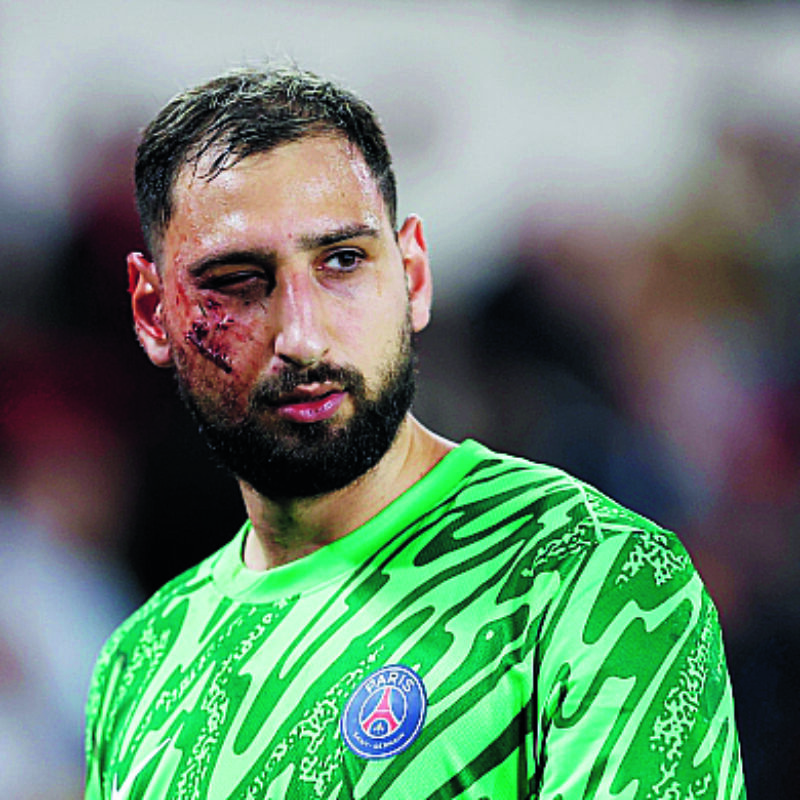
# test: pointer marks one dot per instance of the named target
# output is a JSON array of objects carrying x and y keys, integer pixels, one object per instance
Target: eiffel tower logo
[
  {"x": 385, "y": 713},
  {"x": 382, "y": 721}
]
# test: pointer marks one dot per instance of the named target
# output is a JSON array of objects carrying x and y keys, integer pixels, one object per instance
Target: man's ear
[
  {"x": 145, "y": 288},
  {"x": 418, "y": 271}
]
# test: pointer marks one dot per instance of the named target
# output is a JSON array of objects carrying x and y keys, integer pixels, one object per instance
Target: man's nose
[{"x": 299, "y": 328}]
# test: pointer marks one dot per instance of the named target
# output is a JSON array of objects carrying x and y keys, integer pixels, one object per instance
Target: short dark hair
[{"x": 244, "y": 112}]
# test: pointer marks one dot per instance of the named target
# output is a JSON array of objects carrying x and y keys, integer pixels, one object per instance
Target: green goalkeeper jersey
[{"x": 501, "y": 630}]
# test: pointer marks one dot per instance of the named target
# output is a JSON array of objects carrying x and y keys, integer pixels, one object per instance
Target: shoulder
[
  {"x": 136, "y": 650},
  {"x": 150, "y": 625},
  {"x": 569, "y": 523}
]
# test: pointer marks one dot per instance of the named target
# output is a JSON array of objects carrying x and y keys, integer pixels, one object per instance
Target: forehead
[{"x": 299, "y": 184}]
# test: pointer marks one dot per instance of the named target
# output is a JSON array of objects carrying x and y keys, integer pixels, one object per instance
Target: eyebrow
[
  {"x": 313, "y": 241},
  {"x": 267, "y": 259}
]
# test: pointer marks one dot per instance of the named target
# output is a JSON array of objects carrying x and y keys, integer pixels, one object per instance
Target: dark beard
[{"x": 287, "y": 460}]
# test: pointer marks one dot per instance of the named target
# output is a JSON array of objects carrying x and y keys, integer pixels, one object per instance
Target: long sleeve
[{"x": 635, "y": 699}]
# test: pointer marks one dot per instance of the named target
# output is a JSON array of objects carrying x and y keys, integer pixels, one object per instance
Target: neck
[{"x": 286, "y": 530}]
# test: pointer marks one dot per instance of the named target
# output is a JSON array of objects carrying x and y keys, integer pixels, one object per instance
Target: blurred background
[{"x": 611, "y": 193}]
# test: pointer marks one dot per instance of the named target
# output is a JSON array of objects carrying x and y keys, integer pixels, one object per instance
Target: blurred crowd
[{"x": 660, "y": 363}]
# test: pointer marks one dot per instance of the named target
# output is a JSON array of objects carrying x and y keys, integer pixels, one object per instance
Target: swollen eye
[{"x": 232, "y": 279}]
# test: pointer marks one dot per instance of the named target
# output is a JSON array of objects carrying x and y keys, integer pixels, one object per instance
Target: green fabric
[{"x": 567, "y": 647}]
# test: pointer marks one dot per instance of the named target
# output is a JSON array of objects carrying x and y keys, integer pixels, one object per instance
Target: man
[{"x": 399, "y": 617}]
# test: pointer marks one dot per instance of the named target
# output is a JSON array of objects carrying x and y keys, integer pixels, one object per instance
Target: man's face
[{"x": 288, "y": 306}]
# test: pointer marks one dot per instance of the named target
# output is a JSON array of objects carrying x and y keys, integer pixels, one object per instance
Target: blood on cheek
[{"x": 205, "y": 332}]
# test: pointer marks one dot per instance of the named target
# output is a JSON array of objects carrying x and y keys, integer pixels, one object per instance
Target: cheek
[
  {"x": 204, "y": 327},
  {"x": 208, "y": 332},
  {"x": 379, "y": 340}
]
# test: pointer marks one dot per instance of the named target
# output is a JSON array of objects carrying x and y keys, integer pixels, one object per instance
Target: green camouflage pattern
[{"x": 567, "y": 646}]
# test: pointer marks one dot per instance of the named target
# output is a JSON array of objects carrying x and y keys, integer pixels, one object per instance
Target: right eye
[{"x": 232, "y": 279}]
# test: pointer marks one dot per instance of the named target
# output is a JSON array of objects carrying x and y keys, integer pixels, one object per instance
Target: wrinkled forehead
[
  {"x": 205, "y": 162},
  {"x": 329, "y": 152},
  {"x": 298, "y": 187}
]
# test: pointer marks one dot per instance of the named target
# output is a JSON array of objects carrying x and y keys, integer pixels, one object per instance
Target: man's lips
[{"x": 310, "y": 404}]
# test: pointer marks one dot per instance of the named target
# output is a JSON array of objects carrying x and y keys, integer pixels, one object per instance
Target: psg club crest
[{"x": 385, "y": 713}]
